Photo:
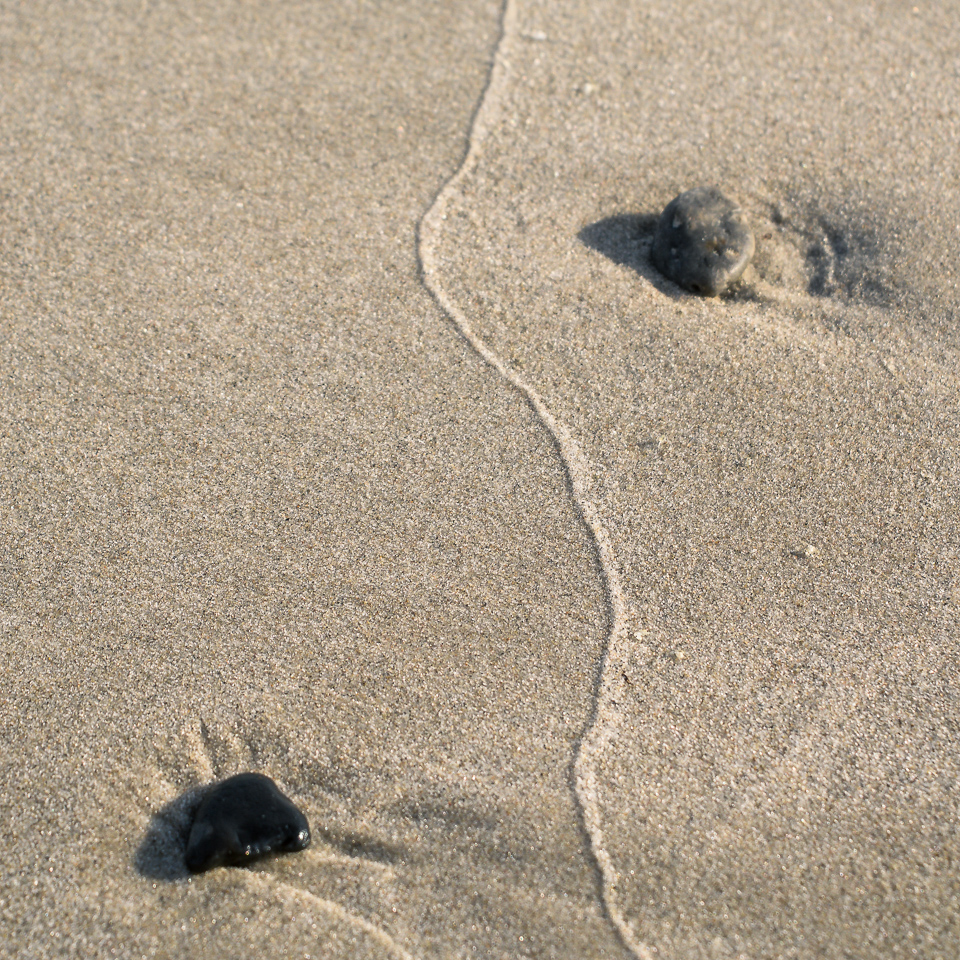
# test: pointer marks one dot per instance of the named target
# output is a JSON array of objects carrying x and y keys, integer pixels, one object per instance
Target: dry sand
[
  {"x": 583, "y": 618},
  {"x": 773, "y": 770}
]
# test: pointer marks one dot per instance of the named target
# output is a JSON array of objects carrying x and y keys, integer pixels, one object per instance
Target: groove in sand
[
  {"x": 333, "y": 909},
  {"x": 602, "y": 728}
]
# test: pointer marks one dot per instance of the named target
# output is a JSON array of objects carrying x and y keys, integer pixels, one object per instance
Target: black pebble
[
  {"x": 242, "y": 818},
  {"x": 703, "y": 243}
]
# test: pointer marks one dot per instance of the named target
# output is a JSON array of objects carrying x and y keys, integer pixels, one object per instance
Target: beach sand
[
  {"x": 348, "y": 436},
  {"x": 773, "y": 770}
]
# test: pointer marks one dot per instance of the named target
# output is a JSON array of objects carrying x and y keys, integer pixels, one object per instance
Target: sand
[{"x": 348, "y": 436}]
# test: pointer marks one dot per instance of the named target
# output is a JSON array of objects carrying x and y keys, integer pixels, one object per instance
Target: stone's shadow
[
  {"x": 160, "y": 855},
  {"x": 626, "y": 239}
]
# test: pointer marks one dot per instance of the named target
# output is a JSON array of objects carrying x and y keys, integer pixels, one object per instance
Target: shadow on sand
[
  {"x": 161, "y": 852},
  {"x": 626, "y": 239}
]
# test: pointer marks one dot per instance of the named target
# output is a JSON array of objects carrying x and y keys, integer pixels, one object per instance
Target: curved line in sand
[
  {"x": 602, "y": 728},
  {"x": 334, "y": 909}
]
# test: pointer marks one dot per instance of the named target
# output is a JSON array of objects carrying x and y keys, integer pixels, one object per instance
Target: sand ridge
[{"x": 431, "y": 229}]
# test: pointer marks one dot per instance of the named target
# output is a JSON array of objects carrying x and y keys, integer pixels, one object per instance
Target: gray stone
[
  {"x": 243, "y": 818},
  {"x": 703, "y": 242}
]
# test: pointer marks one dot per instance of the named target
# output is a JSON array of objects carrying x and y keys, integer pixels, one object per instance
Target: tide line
[{"x": 603, "y": 724}]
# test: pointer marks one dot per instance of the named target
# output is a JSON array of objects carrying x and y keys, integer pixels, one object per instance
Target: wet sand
[{"x": 348, "y": 436}]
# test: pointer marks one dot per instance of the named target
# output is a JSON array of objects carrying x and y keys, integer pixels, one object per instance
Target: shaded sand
[
  {"x": 262, "y": 508},
  {"x": 772, "y": 771}
]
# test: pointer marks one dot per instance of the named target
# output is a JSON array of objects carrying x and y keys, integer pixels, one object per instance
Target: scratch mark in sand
[
  {"x": 328, "y": 906},
  {"x": 603, "y": 723}
]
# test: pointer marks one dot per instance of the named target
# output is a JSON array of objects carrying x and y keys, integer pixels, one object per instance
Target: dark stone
[
  {"x": 703, "y": 242},
  {"x": 243, "y": 818}
]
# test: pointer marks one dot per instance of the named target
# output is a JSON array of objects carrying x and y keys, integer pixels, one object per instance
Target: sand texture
[
  {"x": 347, "y": 435},
  {"x": 773, "y": 768}
]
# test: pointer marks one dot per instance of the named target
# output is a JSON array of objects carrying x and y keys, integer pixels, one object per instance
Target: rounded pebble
[
  {"x": 703, "y": 242},
  {"x": 243, "y": 818}
]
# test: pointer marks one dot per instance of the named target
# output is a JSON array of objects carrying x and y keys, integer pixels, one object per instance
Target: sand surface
[{"x": 346, "y": 434}]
